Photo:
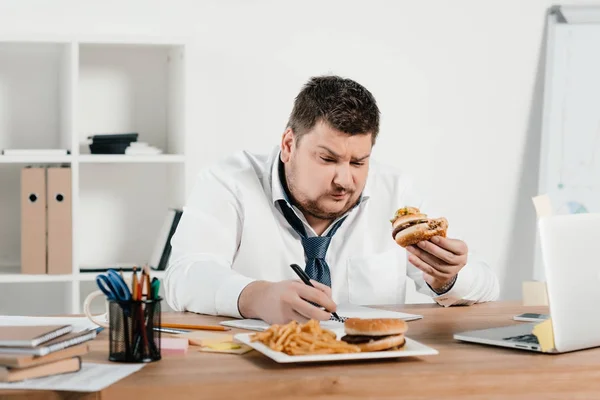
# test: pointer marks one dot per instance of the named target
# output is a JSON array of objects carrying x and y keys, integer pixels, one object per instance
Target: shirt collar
[{"x": 277, "y": 190}]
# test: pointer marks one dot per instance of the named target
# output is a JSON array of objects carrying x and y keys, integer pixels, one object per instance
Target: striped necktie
[{"x": 315, "y": 248}]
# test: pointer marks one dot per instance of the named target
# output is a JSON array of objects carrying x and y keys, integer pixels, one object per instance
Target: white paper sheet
[
  {"x": 91, "y": 378},
  {"x": 343, "y": 310},
  {"x": 79, "y": 323}
]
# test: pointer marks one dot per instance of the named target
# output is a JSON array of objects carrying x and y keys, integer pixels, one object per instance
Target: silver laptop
[{"x": 570, "y": 246}]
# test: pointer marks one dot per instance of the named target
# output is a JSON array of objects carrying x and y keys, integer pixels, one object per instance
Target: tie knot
[{"x": 316, "y": 247}]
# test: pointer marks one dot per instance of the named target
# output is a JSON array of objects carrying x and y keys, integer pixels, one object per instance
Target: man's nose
[{"x": 343, "y": 176}]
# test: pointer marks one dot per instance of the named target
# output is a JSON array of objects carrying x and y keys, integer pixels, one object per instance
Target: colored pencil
[{"x": 194, "y": 327}]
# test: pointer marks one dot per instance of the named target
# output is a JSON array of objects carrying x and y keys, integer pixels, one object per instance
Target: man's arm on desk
[
  {"x": 475, "y": 283},
  {"x": 199, "y": 277}
]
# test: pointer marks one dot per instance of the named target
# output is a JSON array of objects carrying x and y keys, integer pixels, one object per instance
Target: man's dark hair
[{"x": 342, "y": 103}]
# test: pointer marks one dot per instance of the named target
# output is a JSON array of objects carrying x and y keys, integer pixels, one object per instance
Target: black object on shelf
[
  {"x": 104, "y": 269},
  {"x": 159, "y": 259},
  {"x": 111, "y": 143}
]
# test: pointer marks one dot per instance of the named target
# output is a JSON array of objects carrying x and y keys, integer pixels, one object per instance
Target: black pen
[{"x": 300, "y": 272}]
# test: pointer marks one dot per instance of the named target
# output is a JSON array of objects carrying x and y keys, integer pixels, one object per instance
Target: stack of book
[
  {"x": 28, "y": 352},
  {"x": 111, "y": 143}
]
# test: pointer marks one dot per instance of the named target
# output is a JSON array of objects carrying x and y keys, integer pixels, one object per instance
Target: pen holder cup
[{"x": 131, "y": 333}]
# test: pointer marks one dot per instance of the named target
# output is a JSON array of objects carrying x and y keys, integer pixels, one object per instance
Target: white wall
[{"x": 458, "y": 84}]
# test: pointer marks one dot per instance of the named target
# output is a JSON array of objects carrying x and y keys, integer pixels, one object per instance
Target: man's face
[{"x": 326, "y": 170}]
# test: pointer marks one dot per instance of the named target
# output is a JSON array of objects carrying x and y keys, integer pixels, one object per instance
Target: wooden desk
[{"x": 461, "y": 370}]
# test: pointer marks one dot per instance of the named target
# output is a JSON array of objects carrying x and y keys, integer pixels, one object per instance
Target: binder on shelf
[
  {"x": 35, "y": 152},
  {"x": 33, "y": 220},
  {"x": 162, "y": 248},
  {"x": 60, "y": 223}
]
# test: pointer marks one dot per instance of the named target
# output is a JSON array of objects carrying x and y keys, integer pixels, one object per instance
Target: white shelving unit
[{"x": 55, "y": 92}]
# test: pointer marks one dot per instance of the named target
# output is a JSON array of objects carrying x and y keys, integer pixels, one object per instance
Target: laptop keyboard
[{"x": 529, "y": 338}]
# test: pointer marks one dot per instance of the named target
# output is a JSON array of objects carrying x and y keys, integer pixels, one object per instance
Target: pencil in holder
[{"x": 132, "y": 337}]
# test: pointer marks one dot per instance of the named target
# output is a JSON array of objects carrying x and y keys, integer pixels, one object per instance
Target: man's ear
[{"x": 288, "y": 141}]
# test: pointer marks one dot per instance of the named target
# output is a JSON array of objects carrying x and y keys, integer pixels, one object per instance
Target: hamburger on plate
[{"x": 376, "y": 334}]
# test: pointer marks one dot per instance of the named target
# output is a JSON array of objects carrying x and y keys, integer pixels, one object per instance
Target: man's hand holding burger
[{"x": 439, "y": 257}]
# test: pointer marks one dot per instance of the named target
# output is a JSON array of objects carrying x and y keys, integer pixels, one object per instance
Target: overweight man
[{"x": 319, "y": 201}]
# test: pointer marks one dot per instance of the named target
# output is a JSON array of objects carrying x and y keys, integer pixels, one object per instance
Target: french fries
[{"x": 298, "y": 339}]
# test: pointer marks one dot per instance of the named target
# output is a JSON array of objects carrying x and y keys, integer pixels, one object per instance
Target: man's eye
[
  {"x": 358, "y": 164},
  {"x": 328, "y": 160}
]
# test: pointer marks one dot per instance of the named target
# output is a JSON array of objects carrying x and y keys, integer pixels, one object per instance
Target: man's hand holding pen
[{"x": 282, "y": 302}]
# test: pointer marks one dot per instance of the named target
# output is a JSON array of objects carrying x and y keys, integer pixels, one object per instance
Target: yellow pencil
[{"x": 194, "y": 327}]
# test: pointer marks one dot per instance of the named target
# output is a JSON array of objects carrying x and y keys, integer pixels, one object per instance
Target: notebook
[
  {"x": 31, "y": 336},
  {"x": 28, "y": 360},
  {"x": 343, "y": 310},
  {"x": 79, "y": 323},
  {"x": 68, "y": 340},
  {"x": 53, "y": 368}
]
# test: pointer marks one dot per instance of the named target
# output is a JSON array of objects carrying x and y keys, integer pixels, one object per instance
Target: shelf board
[
  {"x": 91, "y": 276},
  {"x": 94, "y": 158},
  {"x": 35, "y": 38},
  {"x": 95, "y": 39},
  {"x": 14, "y": 275},
  {"x": 133, "y": 40},
  {"x": 121, "y": 158},
  {"x": 35, "y": 159}
]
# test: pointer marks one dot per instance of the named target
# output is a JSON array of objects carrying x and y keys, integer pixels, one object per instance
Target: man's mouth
[{"x": 339, "y": 195}]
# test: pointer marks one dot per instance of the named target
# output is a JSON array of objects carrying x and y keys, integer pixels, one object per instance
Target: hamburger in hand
[
  {"x": 411, "y": 226},
  {"x": 375, "y": 334}
]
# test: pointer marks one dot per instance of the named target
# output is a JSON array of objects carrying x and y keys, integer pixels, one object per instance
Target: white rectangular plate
[{"x": 412, "y": 348}]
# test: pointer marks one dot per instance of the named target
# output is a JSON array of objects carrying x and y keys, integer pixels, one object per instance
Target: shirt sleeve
[
  {"x": 476, "y": 282},
  {"x": 199, "y": 277}
]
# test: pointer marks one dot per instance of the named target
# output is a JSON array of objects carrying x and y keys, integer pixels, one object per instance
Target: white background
[{"x": 459, "y": 85}]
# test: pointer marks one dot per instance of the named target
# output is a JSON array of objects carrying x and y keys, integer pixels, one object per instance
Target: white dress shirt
[{"x": 232, "y": 233}]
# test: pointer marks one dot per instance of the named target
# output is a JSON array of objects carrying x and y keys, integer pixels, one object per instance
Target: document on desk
[
  {"x": 91, "y": 378},
  {"x": 343, "y": 310},
  {"x": 79, "y": 324}
]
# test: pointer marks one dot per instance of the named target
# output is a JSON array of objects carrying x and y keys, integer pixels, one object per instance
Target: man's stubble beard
[{"x": 311, "y": 207}]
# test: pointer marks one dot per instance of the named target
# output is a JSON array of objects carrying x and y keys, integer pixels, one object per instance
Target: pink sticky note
[{"x": 173, "y": 345}]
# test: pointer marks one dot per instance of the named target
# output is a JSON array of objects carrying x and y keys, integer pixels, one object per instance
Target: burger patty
[
  {"x": 407, "y": 225},
  {"x": 359, "y": 339},
  {"x": 434, "y": 224}
]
